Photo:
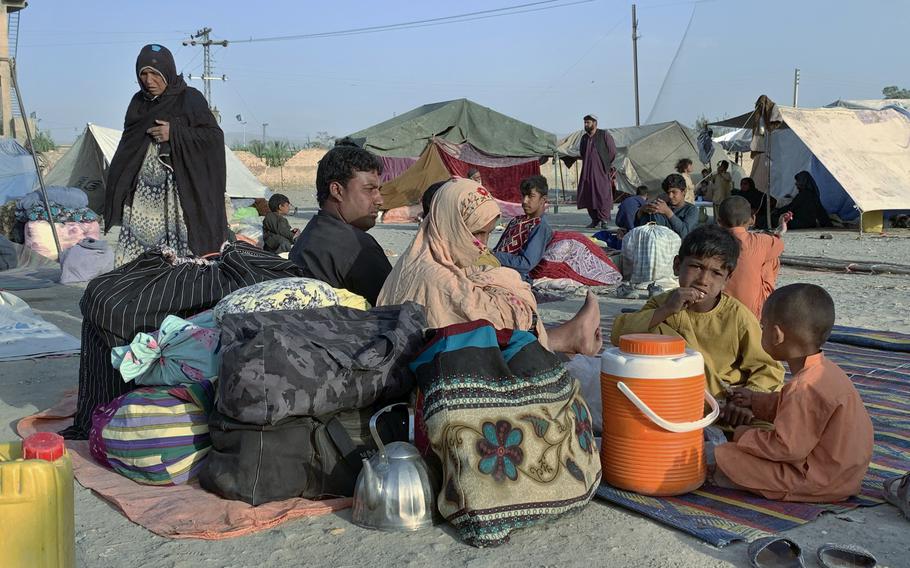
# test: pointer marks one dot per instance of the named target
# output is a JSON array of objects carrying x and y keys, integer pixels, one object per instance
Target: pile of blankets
[{"x": 69, "y": 210}]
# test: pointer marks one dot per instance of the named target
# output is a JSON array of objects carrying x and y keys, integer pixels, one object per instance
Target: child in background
[
  {"x": 277, "y": 235},
  {"x": 628, "y": 208},
  {"x": 525, "y": 239},
  {"x": 724, "y": 331},
  {"x": 821, "y": 444},
  {"x": 759, "y": 256}
]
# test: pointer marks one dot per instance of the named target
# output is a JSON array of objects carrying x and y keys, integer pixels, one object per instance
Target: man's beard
[{"x": 590, "y": 130}]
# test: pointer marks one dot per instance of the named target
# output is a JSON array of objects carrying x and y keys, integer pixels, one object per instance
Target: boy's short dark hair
[
  {"x": 532, "y": 183},
  {"x": 710, "y": 241},
  {"x": 340, "y": 164},
  {"x": 803, "y": 310},
  {"x": 641, "y": 190},
  {"x": 427, "y": 199},
  {"x": 276, "y": 201},
  {"x": 675, "y": 181},
  {"x": 734, "y": 211}
]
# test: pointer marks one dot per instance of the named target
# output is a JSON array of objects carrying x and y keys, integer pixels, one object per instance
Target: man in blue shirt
[
  {"x": 526, "y": 238},
  {"x": 628, "y": 208},
  {"x": 671, "y": 210}
]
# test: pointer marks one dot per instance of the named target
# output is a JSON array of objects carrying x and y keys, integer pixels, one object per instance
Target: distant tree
[
  {"x": 701, "y": 122},
  {"x": 895, "y": 92},
  {"x": 322, "y": 140},
  {"x": 277, "y": 152},
  {"x": 44, "y": 142}
]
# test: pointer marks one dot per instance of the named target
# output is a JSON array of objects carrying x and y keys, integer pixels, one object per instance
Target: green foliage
[
  {"x": 895, "y": 92},
  {"x": 274, "y": 152},
  {"x": 44, "y": 142}
]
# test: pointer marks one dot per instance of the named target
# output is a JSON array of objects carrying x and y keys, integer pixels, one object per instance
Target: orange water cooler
[{"x": 653, "y": 393}]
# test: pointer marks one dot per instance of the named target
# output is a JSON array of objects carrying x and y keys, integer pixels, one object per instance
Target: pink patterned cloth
[
  {"x": 573, "y": 255},
  {"x": 38, "y": 236}
]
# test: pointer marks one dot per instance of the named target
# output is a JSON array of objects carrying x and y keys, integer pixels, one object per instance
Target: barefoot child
[
  {"x": 724, "y": 331},
  {"x": 822, "y": 440},
  {"x": 759, "y": 253}
]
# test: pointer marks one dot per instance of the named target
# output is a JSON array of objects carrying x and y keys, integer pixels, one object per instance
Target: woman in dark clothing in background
[
  {"x": 758, "y": 200},
  {"x": 167, "y": 179},
  {"x": 808, "y": 211}
]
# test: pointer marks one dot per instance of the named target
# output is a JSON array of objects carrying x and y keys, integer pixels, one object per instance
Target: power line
[{"x": 457, "y": 18}]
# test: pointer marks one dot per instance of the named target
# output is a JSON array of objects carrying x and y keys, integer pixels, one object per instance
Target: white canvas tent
[
  {"x": 859, "y": 157},
  {"x": 646, "y": 154},
  {"x": 85, "y": 166}
]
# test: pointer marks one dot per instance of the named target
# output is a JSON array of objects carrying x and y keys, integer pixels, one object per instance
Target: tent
[
  {"x": 17, "y": 171},
  {"x": 646, "y": 154},
  {"x": 459, "y": 121},
  {"x": 858, "y": 155},
  {"x": 85, "y": 166},
  {"x": 739, "y": 140},
  {"x": 435, "y": 141},
  {"x": 441, "y": 160}
]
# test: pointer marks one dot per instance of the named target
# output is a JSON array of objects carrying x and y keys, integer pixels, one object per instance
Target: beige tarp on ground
[
  {"x": 867, "y": 151},
  {"x": 408, "y": 188}
]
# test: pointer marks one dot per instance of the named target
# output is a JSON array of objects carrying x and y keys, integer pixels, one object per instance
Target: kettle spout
[{"x": 371, "y": 484}]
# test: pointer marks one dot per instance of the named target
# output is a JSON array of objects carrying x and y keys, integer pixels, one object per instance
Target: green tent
[{"x": 458, "y": 121}]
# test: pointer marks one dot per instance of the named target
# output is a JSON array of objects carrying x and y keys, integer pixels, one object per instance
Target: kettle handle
[{"x": 376, "y": 416}]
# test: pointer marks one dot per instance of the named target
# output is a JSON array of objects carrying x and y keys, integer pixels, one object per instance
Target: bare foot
[{"x": 586, "y": 336}]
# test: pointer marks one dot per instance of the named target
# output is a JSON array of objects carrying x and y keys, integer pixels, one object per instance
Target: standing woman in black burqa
[{"x": 165, "y": 186}]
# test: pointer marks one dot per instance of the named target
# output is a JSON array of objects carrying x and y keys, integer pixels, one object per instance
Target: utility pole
[
  {"x": 635, "y": 63},
  {"x": 796, "y": 87},
  {"x": 264, "y": 124},
  {"x": 203, "y": 37}
]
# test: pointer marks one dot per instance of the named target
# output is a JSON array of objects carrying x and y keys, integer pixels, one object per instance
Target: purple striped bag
[{"x": 154, "y": 435}]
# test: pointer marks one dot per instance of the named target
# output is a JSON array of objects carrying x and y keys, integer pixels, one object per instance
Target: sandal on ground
[
  {"x": 897, "y": 492},
  {"x": 775, "y": 551},
  {"x": 845, "y": 555}
]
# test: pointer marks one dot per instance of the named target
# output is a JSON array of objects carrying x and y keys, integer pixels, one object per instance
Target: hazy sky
[{"x": 549, "y": 65}]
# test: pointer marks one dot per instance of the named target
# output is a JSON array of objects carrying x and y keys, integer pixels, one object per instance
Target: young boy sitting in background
[
  {"x": 277, "y": 235},
  {"x": 723, "y": 330},
  {"x": 526, "y": 237},
  {"x": 759, "y": 253},
  {"x": 821, "y": 444}
]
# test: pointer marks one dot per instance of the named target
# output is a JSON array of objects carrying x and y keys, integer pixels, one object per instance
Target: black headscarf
[
  {"x": 808, "y": 211},
  {"x": 196, "y": 150}
]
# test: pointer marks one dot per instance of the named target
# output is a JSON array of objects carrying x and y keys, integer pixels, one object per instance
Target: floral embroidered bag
[{"x": 510, "y": 427}]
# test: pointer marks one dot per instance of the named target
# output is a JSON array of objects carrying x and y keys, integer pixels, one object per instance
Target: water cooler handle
[{"x": 678, "y": 427}]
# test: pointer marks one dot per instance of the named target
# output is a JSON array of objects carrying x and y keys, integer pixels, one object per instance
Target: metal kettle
[{"x": 393, "y": 491}]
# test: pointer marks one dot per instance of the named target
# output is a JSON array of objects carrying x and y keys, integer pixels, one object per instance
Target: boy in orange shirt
[
  {"x": 759, "y": 256},
  {"x": 821, "y": 444}
]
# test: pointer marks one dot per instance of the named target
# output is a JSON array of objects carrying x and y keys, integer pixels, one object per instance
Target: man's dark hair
[
  {"x": 673, "y": 180},
  {"x": 427, "y": 199},
  {"x": 723, "y": 164},
  {"x": 734, "y": 211},
  {"x": 341, "y": 164},
  {"x": 532, "y": 183},
  {"x": 277, "y": 200},
  {"x": 804, "y": 310},
  {"x": 749, "y": 182},
  {"x": 641, "y": 190},
  {"x": 710, "y": 241},
  {"x": 683, "y": 164}
]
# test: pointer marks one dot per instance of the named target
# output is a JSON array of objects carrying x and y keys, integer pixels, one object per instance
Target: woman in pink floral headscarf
[{"x": 449, "y": 270}]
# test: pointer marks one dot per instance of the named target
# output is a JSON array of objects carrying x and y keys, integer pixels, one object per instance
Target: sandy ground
[{"x": 600, "y": 535}]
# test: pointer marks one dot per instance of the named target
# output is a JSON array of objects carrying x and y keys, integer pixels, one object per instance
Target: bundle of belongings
[
  {"x": 87, "y": 259},
  {"x": 647, "y": 260},
  {"x": 175, "y": 386},
  {"x": 69, "y": 211}
]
